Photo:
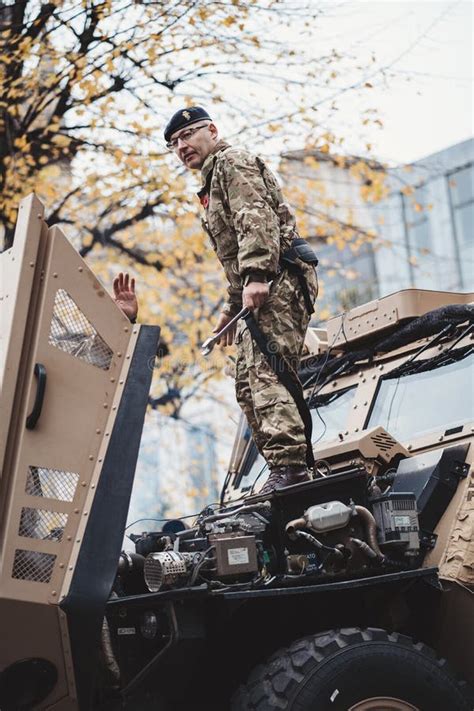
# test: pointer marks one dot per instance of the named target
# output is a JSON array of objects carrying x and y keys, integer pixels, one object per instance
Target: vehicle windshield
[
  {"x": 430, "y": 401},
  {"x": 329, "y": 415}
]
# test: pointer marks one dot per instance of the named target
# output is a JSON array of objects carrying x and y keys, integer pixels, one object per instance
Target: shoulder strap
[{"x": 285, "y": 375}]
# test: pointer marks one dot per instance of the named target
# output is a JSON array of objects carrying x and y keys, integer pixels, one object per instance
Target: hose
[
  {"x": 364, "y": 547},
  {"x": 370, "y": 529},
  {"x": 292, "y": 526},
  {"x": 314, "y": 541},
  {"x": 108, "y": 652}
]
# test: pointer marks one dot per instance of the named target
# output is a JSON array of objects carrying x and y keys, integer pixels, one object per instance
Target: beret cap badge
[{"x": 184, "y": 118}]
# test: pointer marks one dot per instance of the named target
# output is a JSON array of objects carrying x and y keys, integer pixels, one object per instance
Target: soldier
[{"x": 250, "y": 228}]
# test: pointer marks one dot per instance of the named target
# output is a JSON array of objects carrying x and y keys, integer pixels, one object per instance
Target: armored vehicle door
[{"x": 74, "y": 377}]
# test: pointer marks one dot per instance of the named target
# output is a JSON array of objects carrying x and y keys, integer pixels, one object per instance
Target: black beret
[{"x": 185, "y": 117}]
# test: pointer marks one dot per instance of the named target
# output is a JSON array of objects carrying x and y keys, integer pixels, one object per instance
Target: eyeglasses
[{"x": 184, "y": 136}]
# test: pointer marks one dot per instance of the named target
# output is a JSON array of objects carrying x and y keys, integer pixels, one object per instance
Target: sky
[
  {"x": 416, "y": 55},
  {"x": 426, "y": 103},
  {"x": 423, "y": 95}
]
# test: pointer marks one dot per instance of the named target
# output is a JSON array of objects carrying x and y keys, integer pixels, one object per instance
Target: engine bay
[{"x": 371, "y": 511}]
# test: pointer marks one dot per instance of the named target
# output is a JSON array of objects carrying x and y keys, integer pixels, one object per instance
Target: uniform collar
[{"x": 208, "y": 164}]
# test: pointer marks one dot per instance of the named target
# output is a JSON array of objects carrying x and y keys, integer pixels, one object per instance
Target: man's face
[{"x": 195, "y": 145}]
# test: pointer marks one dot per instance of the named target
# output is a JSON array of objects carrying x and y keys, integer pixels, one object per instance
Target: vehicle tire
[{"x": 354, "y": 670}]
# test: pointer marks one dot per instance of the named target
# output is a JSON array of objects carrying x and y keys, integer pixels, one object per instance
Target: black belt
[{"x": 288, "y": 378}]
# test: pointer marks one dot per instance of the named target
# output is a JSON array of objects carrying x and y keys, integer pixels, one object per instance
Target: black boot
[{"x": 284, "y": 476}]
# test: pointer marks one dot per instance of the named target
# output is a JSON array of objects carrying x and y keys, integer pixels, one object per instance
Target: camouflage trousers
[{"x": 271, "y": 412}]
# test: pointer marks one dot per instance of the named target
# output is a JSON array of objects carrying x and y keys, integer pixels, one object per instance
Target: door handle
[{"x": 33, "y": 417}]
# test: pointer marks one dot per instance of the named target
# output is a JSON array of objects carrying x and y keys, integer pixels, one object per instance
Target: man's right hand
[
  {"x": 255, "y": 294},
  {"x": 228, "y": 338}
]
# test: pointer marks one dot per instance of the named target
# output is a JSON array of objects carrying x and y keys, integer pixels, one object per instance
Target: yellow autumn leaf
[
  {"x": 61, "y": 140},
  {"x": 152, "y": 257},
  {"x": 21, "y": 143},
  {"x": 51, "y": 172}
]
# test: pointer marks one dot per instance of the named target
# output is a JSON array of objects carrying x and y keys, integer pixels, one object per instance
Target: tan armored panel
[
  {"x": 61, "y": 481},
  {"x": 17, "y": 273},
  {"x": 454, "y": 550},
  {"x": 368, "y": 447},
  {"x": 316, "y": 341},
  {"x": 384, "y": 314}
]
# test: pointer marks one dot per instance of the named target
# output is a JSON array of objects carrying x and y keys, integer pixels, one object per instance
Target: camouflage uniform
[{"x": 249, "y": 225}]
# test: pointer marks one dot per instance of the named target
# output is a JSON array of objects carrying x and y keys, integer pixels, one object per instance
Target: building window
[
  {"x": 418, "y": 237},
  {"x": 461, "y": 193},
  {"x": 349, "y": 277}
]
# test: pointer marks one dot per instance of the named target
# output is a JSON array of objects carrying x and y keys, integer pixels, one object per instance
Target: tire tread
[{"x": 271, "y": 685}]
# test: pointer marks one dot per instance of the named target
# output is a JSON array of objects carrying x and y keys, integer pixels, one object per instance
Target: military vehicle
[{"x": 350, "y": 591}]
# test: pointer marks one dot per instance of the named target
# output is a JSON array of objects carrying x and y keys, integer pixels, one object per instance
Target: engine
[
  {"x": 356, "y": 522},
  {"x": 245, "y": 546}
]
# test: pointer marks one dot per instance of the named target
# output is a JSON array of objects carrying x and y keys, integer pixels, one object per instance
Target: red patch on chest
[{"x": 204, "y": 200}]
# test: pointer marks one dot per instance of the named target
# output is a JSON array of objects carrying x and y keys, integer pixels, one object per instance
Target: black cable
[
  {"x": 224, "y": 486},
  {"x": 447, "y": 352},
  {"x": 265, "y": 466},
  {"x": 199, "y": 565},
  {"x": 423, "y": 326},
  {"x": 175, "y": 518},
  {"x": 405, "y": 369},
  {"x": 311, "y": 396},
  {"x": 430, "y": 344},
  {"x": 315, "y": 441}
]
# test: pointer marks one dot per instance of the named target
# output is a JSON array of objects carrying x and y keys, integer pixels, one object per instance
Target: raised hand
[{"x": 124, "y": 294}]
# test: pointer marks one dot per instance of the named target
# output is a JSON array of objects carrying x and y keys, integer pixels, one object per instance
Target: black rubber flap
[{"x": 97, "y": 563}]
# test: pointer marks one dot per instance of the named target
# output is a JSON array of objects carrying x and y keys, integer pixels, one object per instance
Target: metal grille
[
  {"x": 383, "y": 441},
  {"x": 73, "y": 333},
  {"x": 165, "y": 568},
  {"x": 30, "y": 565},
  {"x": 51, "y": 483},
  {"x": 38, "y": 523},
  {"x": 403, "y": 504}
]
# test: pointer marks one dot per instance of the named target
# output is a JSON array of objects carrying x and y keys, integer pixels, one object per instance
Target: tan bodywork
[
  {"x": 54, "y": 313},
  {"x": 453, "y": 553},
  {"x": 374, "y": 447},
  {"x": 383, "y": 314}
]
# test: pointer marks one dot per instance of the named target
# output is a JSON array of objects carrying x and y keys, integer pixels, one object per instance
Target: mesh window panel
[
  {"x": 51, "y": 483},
  {"x": 74, "y": 334},
  {"x": 38, "y": 523},
  {"x": 29, "y": 565}
]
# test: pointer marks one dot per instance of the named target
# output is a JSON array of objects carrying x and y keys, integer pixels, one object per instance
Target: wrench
[{"x": 210, "y": 342}]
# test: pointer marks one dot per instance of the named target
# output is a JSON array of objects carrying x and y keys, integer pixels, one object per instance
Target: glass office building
[{"x": 424, "y": 227}]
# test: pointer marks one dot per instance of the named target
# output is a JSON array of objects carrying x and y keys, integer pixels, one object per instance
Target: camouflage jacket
[{"x": 247, "y": 220}]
